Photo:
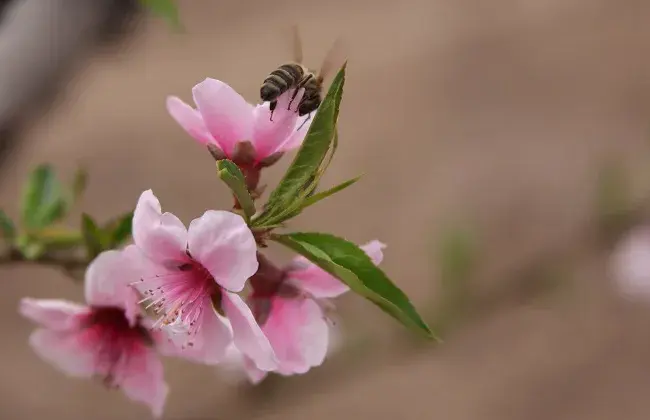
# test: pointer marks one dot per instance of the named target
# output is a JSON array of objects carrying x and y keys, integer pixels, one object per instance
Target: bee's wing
[
  {"x": 297, "y": 44},
  {"x": 333, "y": 59}
]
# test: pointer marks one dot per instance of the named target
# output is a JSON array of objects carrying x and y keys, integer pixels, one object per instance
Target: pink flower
[
  {"x": 107, "y": 338},
  {"x": 630, "y": 265},
  {"x": 225, "y": 119},
  {"x": 293, "y": 316},
  {"x": 186, "y": 273}
]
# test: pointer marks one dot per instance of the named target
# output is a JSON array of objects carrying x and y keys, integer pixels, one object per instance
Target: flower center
[
  {"x": 115, "y": 339},
  {"x": 179, "y": 297}
]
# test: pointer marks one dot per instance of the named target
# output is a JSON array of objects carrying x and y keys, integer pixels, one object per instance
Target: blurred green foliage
[
  {"x": 166, "y": 9},
  {"x": 46, "y": 203},
  {"x": 456, "y": 259}
]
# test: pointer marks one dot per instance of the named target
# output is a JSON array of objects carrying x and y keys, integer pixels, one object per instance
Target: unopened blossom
[
  {"x": 245, "y": 133},
  {"x": 630, "y": 264},
  {"x": 189, "y": 278},
  {"x": 105, "y": 338},
  {"x": 293, "y": 314}
]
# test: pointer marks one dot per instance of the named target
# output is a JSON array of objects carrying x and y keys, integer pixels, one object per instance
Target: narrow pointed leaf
[
  {"x": 305, "y": 192},
  {"x": 350, "y": 264},
  {"x": 324, "y": 194}
]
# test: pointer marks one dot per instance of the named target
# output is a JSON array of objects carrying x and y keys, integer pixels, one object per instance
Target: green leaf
[
  {"x": 43, "y": 201},
  {"x": 309, "y": 199},
  {"x": 166, "y": 9},
  {"x": 350, "y": 264},
  {"x": 304, "y": 171},
  {"x": 93, "y": 236},
  {"x": 7, "y": 228},
  {"x": 233, "y": 177},
  {"x": 119, "y": 230},
  {"x": 305, "y": 192},
  {"x": 324, "y": 194}
]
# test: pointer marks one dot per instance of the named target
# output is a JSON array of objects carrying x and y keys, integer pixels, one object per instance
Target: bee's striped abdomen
[{"x": 280, "y": 80}]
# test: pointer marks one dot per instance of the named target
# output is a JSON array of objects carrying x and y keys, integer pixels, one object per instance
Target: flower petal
[
  {"x": 314, "y": 337},
  {"x": 248, "y": 336},
  {"x": 108, "y": 280},
  {"x": 321, "y": 284},
  {"x": 226, "y": 113},
  {"x": 282, "y": 328},
  {"x": 222, "y": 242},
  {"x": 162, "y": 237},
  {"x": 297, "y": 136},
  {"x": 236, "y": 362},
  {"x": 269, "y": 136},
  {"x": 66, "y": 350},
  {"x": 141, "y": 378},
  {"x": 54, "y": 314},
  {"x": 298, "y": 333},
  {"x": 374, "y": 249},
  {"x": 209, "y": 345},
  {"x": 317, "y": 282},
  {"x": 190, "y": 119}
]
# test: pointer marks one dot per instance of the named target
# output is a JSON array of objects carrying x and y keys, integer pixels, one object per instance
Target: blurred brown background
[{"x": 495, "y": 118}]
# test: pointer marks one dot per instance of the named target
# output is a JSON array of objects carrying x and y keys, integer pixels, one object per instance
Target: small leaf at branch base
[
  {"x": 234, "y": 178},
  {"x": 43, "y": 201},
  {"x": 119, "y": 230},
  {"x": 93, "y": 236},
  {"x": 7, "y": 227},
  {"x": 351, "y": 265}
]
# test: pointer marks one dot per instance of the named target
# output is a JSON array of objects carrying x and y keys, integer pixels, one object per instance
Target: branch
[{"x": 65, "y": 263}]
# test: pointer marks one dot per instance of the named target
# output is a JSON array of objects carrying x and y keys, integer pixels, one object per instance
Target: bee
[{"x": 296, "y": 76}]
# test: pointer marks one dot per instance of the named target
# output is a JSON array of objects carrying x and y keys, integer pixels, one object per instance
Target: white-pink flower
[
  {"x": 224, "y": 118},
  {"x": 630, "y": 264},
  {"x": 107, "y": 338},
  {"x": 293, "y": 316},
  {"x": 186, "y": 273}
]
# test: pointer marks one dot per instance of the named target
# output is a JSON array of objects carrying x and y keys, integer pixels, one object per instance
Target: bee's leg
[
  {"x": 272, "y": 106},
  {"x": 295, "y": 93},
  {"x": 301, "y": 85},
  {"x": 305, "y": 122}
]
